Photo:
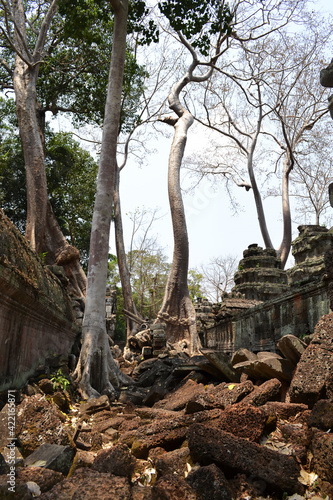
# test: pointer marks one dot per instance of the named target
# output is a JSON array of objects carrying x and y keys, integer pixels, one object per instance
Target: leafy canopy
[
  {"x": 198, "y": 20},
  {"x": 71, "y": 176}
]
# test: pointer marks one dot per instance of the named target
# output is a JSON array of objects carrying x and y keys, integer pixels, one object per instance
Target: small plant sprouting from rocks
[
  {"x": 59, "y": 380},
  {"x": 42, "y": 257}
]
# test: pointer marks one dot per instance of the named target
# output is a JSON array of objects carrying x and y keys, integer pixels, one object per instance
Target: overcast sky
[{"x": 213, "y": 227}]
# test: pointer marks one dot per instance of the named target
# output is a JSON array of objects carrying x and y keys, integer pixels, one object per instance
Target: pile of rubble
[{"x": 210, "y": 427}]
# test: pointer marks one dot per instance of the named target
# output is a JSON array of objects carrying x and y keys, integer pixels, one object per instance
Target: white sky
[{"x": 213, "y": 229}]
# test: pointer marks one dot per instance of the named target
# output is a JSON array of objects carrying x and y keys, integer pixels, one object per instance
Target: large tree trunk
[
  {"x": 284, "y": 249},
  {"x": 42, "y": 229},
  {"x": 96, "y": 371},
  {"x": 131, "y": 325},
  {"x": 177, "y": 310}
]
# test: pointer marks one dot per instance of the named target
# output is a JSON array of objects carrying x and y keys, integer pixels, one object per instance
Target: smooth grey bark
[
  {"x": 177, "y": 311},
  {"x": 131, "y": 325},
  {"x": 97, "y": 371},
  {"x": 42, "y": 229}
]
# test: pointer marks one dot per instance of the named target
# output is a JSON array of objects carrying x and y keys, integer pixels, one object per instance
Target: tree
[
  {"x": 264, "y": 107},
  {"x": 195, "y": 24},
  {"x": 149, "y": 271},
  {"x": 24, "y": 57},
  {"x": 71, "y": 177},
  {"x": 218, "y": 276},
  {"x": 96, "y": 371},
  {"x": 55, "y": 61},
  {"x": 312, "y": 175},
  {"x": 195, "y": 284}
]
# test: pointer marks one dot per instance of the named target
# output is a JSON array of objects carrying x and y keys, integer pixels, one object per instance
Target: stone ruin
[
  {"x": 268, "y": 302},
  {"x": 37, "y": 319}
]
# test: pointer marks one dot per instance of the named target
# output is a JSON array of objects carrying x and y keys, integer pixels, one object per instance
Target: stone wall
[
  {"x": 36, "y": 316},
  {"x": 296, "y": 310}
]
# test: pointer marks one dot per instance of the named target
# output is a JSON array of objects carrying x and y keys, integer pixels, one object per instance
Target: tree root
[{"x": 97, "y": 372}]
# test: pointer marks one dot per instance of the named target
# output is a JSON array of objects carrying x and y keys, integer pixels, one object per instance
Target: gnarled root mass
[
  {"x": 182, "y": 326},
  {"x": 97, "y": 372}
]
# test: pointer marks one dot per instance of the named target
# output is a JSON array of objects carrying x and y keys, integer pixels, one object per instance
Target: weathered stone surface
[
  {"x": 172, "y": 488},
  {"x": 210, "y": 483},
  {"x": 45, "y": 478},
  {"x": 242, "y": 421},
  {"x": 173, "y": 462},
  {"x": 259, "y": 274},
  {"x": 308, "y": 250},
  {"x": 46, "y": 386},
  {"x": 117, "y": 460},
  {"x": 291, "y": 347},
  {"x": 4, "y": 436},
  {"x": 31, "y": 429},
  {"x": 83, "y": 459},
  {"x": 21, "y": 491},
  {"x": 221, "y": 396},
  {"x": 166, "y": 433},
  {"x": 267, "y": 367},
  {"x": 272, "y": 367},
  {"x": 284, "y": 410},
  {"x": 3, "y": 465},
  {"x": 95, "y": 405},
  {"x": 322, "y": 449},
  {"x": 88, "y": 484},
  {"x": 322, "y": 415},
  {"x": 311, "y": 379},
  {"x": 242, "y": 355},
  {"x": 51, "y": 456},
  {"x": 177, "y": 399},
  {"x": 141, "y": 492},
  {"x": 36, "y": 316},
  {"x": 13, "y": 455},
  {"x": 268, "y": 391},
  {"x": 211, "y": 445},
  {"x": 249, "y": 367},
  {"x": 326, "y": 76},
  {"x": 62, "y": 401},
  {"x": 222, "y": 362},
  {"x": 134, "y": 395}
]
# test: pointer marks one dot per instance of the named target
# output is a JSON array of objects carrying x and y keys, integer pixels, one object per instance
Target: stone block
[
  {"x": 212, "y": 445},
  {"x": 312, "y": 380},
  {"x": 52, "y": 456},
  {"x": 210, "y": 483},
  {"x": 291, "y": 347}
]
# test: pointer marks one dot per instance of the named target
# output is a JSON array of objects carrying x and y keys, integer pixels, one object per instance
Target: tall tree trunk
[
  {"x": 284, "y": 249},
  {"x": 177, "y": 310},
  {"x": 42, "y": 229},
  {"x": 96, "y": 371},
  {"x": 131, "y": 325}
]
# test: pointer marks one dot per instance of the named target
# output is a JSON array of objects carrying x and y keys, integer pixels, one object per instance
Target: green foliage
[
  {"x": 198, "y": 20},
  {"x": 60, "y": 381},
  {"x": 74, "y": 75},
  {"x": 194, "y": 284},
  {"x": 71, "y": 175},
  {"x": 149, "y": 273},
  {"x": 42, "y": 257}
]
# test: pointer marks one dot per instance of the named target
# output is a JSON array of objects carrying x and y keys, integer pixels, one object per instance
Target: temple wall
[
  {"x": 259, "y": 328},
  {"x": 36, "y": 315}
]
